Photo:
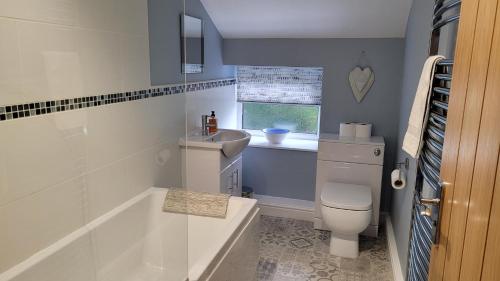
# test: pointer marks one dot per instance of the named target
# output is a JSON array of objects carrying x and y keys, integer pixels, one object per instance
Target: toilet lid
[{"x": 346, "y": 196}]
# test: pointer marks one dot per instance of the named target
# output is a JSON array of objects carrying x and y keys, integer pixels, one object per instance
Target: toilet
[
  {"x": 347, "y": 211},
  {"x": 348, "y": 187}
]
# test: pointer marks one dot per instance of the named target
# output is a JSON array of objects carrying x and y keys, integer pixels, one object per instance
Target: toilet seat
[{"x": 346, "y": 196}]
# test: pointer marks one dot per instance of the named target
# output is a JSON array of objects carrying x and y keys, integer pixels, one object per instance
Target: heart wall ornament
[{"x": 361, "y": 81}]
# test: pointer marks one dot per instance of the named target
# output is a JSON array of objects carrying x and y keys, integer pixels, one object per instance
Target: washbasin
[
  {"x": 225, "y": 135},
  {"x": 233, "y": 141},
  {"x": 230, "y": 142}
]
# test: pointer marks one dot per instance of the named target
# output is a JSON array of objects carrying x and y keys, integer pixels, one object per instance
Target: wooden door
[{"x": 471, "y": 200}]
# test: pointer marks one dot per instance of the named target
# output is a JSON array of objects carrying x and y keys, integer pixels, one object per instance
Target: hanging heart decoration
[{"x": 361, "y": 81}]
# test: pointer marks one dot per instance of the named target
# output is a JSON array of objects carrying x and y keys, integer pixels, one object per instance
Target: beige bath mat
[{"x": 196, "y": 203}]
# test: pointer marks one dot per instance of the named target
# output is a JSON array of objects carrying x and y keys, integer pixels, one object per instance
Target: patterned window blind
[{"x": 277, "y": 84}]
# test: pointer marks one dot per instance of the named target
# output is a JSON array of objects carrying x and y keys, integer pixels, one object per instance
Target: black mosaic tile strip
[{"x": 10, "y": 112}]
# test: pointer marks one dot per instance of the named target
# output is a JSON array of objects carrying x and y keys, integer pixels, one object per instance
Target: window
[
  {"x": 297, "y": 118},
  {"x": 280, "y": 97}
]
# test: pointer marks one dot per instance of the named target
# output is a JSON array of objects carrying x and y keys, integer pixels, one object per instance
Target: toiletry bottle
[{"x": 212, "y": 124}]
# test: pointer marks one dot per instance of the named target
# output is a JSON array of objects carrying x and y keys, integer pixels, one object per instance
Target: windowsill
[{"x": 287, "y": 144}]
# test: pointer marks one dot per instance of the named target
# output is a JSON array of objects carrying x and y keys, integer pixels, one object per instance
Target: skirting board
[
  {"x": 393, "y": 250},
  {"x": 285, "y": 207}
]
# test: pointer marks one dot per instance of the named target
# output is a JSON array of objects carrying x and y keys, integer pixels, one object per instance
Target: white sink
[{"x": 230, "y": 142}]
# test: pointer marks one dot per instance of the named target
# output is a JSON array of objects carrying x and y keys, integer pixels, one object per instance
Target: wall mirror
[{"x": 192, "y": 49}]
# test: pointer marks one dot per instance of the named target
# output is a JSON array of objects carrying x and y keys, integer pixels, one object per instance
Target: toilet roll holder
[{"x": 406, "y": 165}]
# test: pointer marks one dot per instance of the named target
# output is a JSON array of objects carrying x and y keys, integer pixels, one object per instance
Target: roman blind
[{"x": 279, "y": 84}]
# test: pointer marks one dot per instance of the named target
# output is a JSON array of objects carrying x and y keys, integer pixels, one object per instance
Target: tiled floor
[{"x": 291, "y": 250}]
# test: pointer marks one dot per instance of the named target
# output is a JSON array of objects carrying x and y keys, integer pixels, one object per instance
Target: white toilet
[
  {"x": 348, "y": 187},
  {"x": 347, "y": 211}
]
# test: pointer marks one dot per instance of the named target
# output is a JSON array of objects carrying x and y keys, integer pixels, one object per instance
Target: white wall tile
[
  {"x": 10, "y": 63},
  {"x": 132, "y": 16},
  {"x": 43, "y": 61},
  {"x": 222, "y": 100},
  {"x": 101, "y": 185},
  {"x": 45, "y": 55},
  {"x": 112, "y": 185},
  {"x": 116, "y": 131},
  {"x": 166, "y": 118},
  {"x": 124, "y": 16},
  {"x": 168, "y": 167},
  {"x": 134, "y": 58},
  {"x": 51, "y": 11},
  {"x": 39, "y": 152},
  {"x": 34, "y": 222},
  {"x": 51, "y": 65},
  {"x": 100, "y": 60},
  {"x": 132, "y": 126}
]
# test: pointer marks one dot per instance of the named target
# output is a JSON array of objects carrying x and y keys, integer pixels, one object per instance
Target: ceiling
[{"x": 309, "y": 18}]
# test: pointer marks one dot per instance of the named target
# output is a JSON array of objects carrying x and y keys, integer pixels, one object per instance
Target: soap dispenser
[{"x": 212, "y": 124}]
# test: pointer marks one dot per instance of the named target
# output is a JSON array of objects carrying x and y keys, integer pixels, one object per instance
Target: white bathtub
[{"x": 137, "y": 241}]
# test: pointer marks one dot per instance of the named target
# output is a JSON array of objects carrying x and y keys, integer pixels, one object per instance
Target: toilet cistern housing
[{"x": 354, "y": 166}]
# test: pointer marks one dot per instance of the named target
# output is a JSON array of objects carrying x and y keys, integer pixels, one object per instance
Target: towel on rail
[
  {"x": 196, "y": 203},
  {"x": 412, "y": 142}
]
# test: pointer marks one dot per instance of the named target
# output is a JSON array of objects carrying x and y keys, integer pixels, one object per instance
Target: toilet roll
[
  {"x": 363, "y": 130},
  {"x": 398, "y": 179},
  {"x": 347, "y": 129}
]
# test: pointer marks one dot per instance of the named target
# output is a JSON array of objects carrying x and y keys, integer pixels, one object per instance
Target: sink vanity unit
[{"x": 214, "y": 163}]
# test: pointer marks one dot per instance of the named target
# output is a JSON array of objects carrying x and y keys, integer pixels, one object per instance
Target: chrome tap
[{"x": 204, "y": 125}]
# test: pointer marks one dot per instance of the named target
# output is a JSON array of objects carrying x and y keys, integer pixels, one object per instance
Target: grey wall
[
  {"x": 164, "y": 43},
  {"x": 416, "y": 52},
  {"x": 338, "y": 57},
  {"x": 277, "y": 172}
]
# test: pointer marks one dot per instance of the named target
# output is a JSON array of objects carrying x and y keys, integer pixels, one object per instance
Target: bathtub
[{"x": 137, "y": 241}]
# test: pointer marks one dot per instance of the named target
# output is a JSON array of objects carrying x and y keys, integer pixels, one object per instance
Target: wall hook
[{"x": 363, "y": 60}]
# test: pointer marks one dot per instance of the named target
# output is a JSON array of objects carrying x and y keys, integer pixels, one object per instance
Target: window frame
[{"x": 260, "y": 133}]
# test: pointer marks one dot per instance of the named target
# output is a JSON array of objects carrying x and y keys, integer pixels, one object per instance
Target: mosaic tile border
[{"x": 17, "y": 111}]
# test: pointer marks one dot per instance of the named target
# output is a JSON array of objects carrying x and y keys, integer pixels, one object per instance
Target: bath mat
[{"x": 204, "y": 204}]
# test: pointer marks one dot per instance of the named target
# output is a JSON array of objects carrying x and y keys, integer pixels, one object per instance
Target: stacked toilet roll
[{"x": 358, "y": 130}]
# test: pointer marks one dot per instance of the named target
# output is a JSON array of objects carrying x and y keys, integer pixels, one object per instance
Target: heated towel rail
[{"x": 428, "y": 188}]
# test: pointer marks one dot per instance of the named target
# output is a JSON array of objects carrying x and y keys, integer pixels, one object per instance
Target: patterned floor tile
[
  {"x": 301, "y": 243},
  {"x": 266, "y": 268},
  {"x": 293, "y": 250}
]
